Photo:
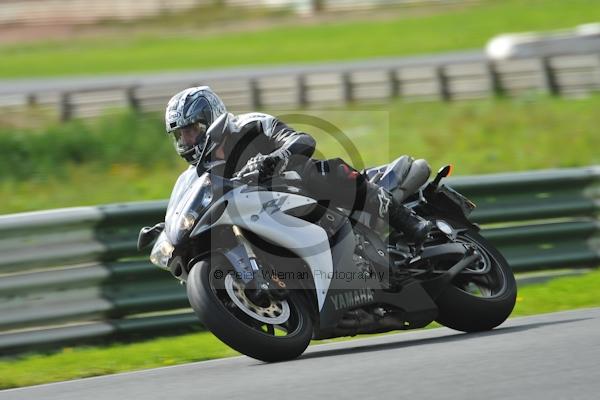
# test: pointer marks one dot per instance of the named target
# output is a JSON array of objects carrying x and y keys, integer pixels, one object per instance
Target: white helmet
[{"x": 188, "y": 116}]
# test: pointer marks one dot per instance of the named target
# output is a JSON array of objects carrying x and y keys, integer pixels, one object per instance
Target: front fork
[{"x": 259, "y": 288}]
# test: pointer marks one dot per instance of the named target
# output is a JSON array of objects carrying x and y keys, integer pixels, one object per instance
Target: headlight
[
  {"x": 187, "y": 221},
  {"x": 162, "y": 252}
]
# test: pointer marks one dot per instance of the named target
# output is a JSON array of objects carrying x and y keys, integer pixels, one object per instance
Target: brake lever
[{"x": 247, "y": 178}]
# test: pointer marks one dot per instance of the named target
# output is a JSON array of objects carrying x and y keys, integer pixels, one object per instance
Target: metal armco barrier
[
  {"x": 452, "y": 77},
  {"x": 75, "y": 275}
]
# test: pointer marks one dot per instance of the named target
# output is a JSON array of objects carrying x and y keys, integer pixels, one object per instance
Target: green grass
[
  {"x": 559, "y": 295},
  {"x": 401, "y": 33},
  {"x": 124, "y": 138},
  {"x": 78, "y": 362},
  {"x": 129, "y": 158}
]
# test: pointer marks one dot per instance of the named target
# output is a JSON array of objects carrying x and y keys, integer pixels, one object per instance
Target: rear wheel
[
  {"x": 478, "y": 301},
  {"x": 274, "y": 330}
]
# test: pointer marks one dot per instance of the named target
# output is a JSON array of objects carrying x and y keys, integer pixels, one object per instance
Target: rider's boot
[{"x": 381, "y": 203}]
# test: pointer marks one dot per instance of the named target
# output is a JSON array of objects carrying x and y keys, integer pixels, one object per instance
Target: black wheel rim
[{"x": 490, "y": 285}]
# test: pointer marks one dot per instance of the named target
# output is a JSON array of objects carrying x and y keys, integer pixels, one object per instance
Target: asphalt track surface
[{"x": 551, "y": 356}]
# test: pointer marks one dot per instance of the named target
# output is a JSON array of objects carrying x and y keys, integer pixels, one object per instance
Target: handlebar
[{"x": 255, "y": 176}]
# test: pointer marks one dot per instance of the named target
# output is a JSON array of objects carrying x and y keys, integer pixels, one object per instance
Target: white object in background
[{"x": 584, "y": 39}]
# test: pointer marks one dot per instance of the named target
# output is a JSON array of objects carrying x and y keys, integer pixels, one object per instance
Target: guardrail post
[
  {"x": 66, "y": 107},
  {"x": 549, "y": 82},
  {"x": 255, "y": 94},
  {"x": 597, "y": 74},
  {"x": 317, "y": 5},
  {"x": 495, "y": 79},
  {"x": 347, "y": 87},
  {"x": 132, "y": 100},
  {"x": 395, "y": 88},
  {"x": 443, "y": 84},
  {"x": 31, "y": 100},
  {"x": 301, "y": 87}
]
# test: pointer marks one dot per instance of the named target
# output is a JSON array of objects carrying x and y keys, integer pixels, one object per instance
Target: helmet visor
[{"x": 189, "y": 136}]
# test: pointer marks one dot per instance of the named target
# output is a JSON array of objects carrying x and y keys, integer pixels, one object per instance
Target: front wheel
[
  {"x": 479, "y": 302},
  {"x": 276, "y": 330}
]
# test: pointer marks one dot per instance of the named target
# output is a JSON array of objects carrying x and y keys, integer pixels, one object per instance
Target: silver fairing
[
  {"x": 263, "y": 213},
  {"x": 191, "y": 196},
  {"x": 183, "y": 184},
  {"x": 163, "y": 247}
]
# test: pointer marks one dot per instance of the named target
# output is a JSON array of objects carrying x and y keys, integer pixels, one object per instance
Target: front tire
[
  {"x": 239, "y": 323},
  {"x": 479, "y": 303}
]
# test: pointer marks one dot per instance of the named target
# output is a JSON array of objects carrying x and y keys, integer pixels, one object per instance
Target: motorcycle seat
[{"x": 402, "y": 177}]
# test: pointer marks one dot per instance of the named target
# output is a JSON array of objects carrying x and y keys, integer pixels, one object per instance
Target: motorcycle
[{"x": 267, "y": 267}]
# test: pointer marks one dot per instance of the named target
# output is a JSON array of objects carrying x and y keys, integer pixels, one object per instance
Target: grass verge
[
  {"x": 127, "y": 157},
  {"x": 403, "y": 34},
  {"x": 70, "y": 363}
]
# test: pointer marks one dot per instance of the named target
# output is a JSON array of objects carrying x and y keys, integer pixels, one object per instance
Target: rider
[{"x": 261, "y": 143}]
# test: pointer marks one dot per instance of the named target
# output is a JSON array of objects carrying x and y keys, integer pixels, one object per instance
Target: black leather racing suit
[
  {"x": 326, "y": 180},
  {"x": 259, "y": 133}
]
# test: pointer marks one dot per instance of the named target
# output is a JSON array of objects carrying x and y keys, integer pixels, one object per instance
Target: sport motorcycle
[{"x": 267, "y": 267}]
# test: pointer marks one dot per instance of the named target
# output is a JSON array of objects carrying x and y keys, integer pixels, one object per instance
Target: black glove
[{"x": 266, "y": 165}]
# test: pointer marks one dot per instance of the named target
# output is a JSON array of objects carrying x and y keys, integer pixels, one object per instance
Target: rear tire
[
  {"x": 239, "y": 330},
  {"x": 461, "y": 310}
]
